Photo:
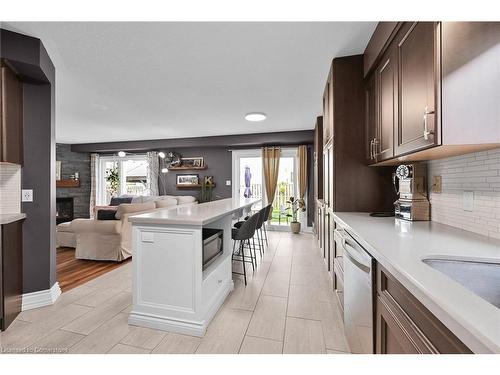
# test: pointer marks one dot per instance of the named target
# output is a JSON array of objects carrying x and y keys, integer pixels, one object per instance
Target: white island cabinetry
[{"x": 171, "y": 290}]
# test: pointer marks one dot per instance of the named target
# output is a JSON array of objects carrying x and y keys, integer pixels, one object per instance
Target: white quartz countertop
[
  {"x": 10, "y": 218},
  {"x": 399, "y": 246},
  {"x": 198, "y": 214}
]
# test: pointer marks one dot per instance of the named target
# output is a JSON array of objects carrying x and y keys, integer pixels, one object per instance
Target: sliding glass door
[
  {"x": 286, "y": 187},
  {"x": 247, "y": 174},
  {"x": 248, "y": 182}
]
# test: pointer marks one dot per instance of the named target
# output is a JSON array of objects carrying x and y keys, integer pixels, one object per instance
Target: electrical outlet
[
  {"x": 27, "y": 195},
  {"x": 437, "y": 184},
  {"x": 228, "y": 182},
  {"x": 468, "y": 200}
]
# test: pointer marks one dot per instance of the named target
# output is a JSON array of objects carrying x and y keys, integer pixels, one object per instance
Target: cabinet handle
[
  {"x": 371, "y": 149},
  {"x": 375, "y": 143},
  {"x": 427, "y": 132}
]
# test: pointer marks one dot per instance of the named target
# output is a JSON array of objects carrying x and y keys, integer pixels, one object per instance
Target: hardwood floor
[{"x": 72, "y": 272}]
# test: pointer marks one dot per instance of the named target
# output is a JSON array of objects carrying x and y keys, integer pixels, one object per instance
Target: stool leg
[
  {"x": 253, "y": 241},
  {"x": 242, "y": 249},
  {"x": 265, "y": 233},
  {"x": 251, "y": 256},
  {"x": 258, "y": 241},
  {"x": 259, "y": 238},
  {"x": 262, "y": 237}
]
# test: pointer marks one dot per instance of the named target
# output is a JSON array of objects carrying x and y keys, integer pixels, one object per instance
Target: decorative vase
[{"x": 295, "y": 227}]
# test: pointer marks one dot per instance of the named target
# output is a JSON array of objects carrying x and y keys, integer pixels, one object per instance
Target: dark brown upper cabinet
[
  {"x": 435, "y": 82},
  {"x": 328, "y": 109},
  {"x": 370, "y": 119},
  {"x": 418, "y": 78},
  {"x": 11, "y": 115},
  {"x": 386, "y": 102}
]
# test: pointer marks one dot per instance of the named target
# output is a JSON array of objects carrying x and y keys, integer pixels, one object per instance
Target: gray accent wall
[
  {"x": 219, "y": 162},
  {"x": 72, "y": 162}
]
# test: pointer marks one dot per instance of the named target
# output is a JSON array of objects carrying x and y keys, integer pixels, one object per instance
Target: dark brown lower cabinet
[
  {"x": 11, "y": 272},
  {"x": 405, "y": 326}
]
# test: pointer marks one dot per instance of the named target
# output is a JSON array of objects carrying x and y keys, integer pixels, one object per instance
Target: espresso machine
[{"x": 410, "y": 182}]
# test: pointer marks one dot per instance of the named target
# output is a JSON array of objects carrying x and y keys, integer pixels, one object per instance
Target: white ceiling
[{"x": 136, "y": 80}]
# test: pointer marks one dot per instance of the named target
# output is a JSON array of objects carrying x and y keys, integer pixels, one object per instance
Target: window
[{"x": 119, "y": 176}]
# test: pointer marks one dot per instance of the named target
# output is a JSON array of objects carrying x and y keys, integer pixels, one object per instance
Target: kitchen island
[{"x": 174, "y": 289}]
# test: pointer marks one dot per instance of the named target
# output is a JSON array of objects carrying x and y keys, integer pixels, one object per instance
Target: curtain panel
[
  {"x": 94, "y": 182},
  {"x": 271, "y": 164},
  {"x": 302, "y": 154},
  {"x": 153, "y": 169}
]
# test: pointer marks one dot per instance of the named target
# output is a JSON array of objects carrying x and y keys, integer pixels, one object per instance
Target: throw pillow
[
  {"x": 116, "y": 201},
  {"x": 106, "y": 215}
]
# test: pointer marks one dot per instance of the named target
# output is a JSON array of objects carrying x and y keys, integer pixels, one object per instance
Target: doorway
[{"x": 248, "y": 182}]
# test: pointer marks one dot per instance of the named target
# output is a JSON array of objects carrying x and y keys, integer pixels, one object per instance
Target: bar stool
[
  {"x": 266, "y": 219},
  {"x": 243, "y": 234},
  {"x": 258, "y": 230}
]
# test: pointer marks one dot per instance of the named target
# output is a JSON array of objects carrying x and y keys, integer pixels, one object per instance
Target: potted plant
[
  {"x": 113, "y": 178},
  {"x": 296, "y": 205}
]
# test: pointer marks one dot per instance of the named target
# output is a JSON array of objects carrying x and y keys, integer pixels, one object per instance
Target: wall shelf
[
  {"x": 193, "y": 186},
  {"x": 68, "y": 183},
  {"x": 187, "y": 168}
]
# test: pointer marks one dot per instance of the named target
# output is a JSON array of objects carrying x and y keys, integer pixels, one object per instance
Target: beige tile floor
[{"x": 287, "y": 307}]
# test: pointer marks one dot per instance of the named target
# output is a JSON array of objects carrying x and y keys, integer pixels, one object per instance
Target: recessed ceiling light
[
  {"x": 164, "y": 170},
  {"x": 161, "y": 154},
  {"x": 255, "y": 116},
  {"x": 121, "y": 154}
]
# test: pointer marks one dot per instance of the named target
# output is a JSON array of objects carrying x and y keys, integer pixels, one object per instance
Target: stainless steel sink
[{"x": 481, "y": 278}]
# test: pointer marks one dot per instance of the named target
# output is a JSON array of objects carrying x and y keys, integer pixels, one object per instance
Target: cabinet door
[
  {"x": 328, "y": 110},
  {"x": 404, "y": 325},
  {"x": 370, "y": 119},
  {"x": 391, "y": 337},
  {"x": 11, "y": 262},
  {"x": 386, "y": 90},
  {"x": 327, "y": 198},
  {"x": 11, "y": 129},
  {"x": 417, "y": 76}
]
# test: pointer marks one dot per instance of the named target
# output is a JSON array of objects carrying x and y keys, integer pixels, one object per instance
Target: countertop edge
[
  {"x": 11, "y": 218},
  {"x": 473, "y": 339},
  {"x": 138, "y": 220}
]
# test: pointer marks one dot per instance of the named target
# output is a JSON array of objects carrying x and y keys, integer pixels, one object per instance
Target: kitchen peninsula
[{"x": 177, "y": 286}]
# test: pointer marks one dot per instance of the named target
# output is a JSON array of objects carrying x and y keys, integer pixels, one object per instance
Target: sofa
[{"x": 111, "y": 239}]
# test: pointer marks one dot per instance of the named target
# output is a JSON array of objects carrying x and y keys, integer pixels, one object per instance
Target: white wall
[
  {"x": 478, "y": 172},
  {"x": 10, "y": 188}
]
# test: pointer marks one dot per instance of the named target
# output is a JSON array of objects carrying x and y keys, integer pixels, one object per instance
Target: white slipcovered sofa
[{"x": 112, "y": 239}]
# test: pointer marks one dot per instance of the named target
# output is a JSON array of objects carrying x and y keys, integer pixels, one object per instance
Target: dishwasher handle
[{"x": 357, "y": 255}]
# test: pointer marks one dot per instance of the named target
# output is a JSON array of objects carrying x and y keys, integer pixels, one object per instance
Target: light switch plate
[
  {"x": 27, "y": 195},
  {"x": 147, "y": 237},
  {"x": 468, "y": 200},
  {"x": 228, "y": 182}
]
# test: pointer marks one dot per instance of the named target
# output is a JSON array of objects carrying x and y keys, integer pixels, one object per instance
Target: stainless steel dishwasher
[{"x": 358, "y": 293}]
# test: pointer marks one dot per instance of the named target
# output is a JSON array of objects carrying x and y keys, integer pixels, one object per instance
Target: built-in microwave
[{"x": 213, "y": 245}]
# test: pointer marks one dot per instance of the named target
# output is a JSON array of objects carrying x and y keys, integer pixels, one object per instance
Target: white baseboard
[{"x": 41, "y": 298}]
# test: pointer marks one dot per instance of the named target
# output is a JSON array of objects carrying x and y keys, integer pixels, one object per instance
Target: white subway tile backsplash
[
  {"x": 10, "y": 188},
  {"x": 478, "y": 172}
]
